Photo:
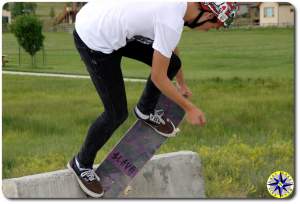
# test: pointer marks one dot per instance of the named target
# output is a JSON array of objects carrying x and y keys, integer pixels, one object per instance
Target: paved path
[{"x": 63, "y": 75}]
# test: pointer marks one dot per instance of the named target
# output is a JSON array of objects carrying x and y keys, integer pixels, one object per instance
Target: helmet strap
[{"x": 195, "y": 22}]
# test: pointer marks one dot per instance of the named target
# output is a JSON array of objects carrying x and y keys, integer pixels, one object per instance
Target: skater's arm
[
  {"x": 181, "y": 84},
  {"x": 159, "y": 77}
]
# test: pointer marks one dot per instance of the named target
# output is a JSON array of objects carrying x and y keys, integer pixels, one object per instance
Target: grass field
[
  {"x": 245, "y": 89},
  {"x": 242, "y": 53}
]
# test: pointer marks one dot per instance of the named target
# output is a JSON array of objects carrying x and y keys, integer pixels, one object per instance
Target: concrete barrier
[{"x": 172, "y": 175}]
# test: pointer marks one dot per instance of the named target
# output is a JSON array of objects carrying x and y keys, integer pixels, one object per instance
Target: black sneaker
[
  {"x": 87, "y": 178},
  {"x": 158, "y": 122}
]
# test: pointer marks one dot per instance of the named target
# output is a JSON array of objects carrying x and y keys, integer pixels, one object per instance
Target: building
[
  {"x": 248, "y": 14},
  {"x": 244, "y": 8},
  {"x": 6, "y": 16},
  {"x": 6, "y": 20},
  {"x": 276, "y": 14}
]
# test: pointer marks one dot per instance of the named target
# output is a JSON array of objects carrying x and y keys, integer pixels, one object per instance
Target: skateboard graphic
[{"x": 134, "y": 150}]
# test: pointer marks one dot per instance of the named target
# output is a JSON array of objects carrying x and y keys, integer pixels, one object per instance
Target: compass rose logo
[{"x": 280, "y": 184}]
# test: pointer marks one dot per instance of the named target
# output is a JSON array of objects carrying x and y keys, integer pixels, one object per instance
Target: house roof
[
  {"x": 280, "y": 3},
  {"x": 248, "y": 4},
  {"x": 284, "y": 3}
]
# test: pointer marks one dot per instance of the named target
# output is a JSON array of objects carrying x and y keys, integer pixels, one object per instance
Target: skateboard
[{"x": 134, "y": 150}]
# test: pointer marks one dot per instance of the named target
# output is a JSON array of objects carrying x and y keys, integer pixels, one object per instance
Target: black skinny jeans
[{"x": 106, "y": 75}]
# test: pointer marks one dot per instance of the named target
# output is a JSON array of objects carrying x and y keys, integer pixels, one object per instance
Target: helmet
[{"x": 224, "y": 11}]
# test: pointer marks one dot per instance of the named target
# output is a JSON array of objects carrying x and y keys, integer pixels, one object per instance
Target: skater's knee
[{"x": 116, "y": 118}]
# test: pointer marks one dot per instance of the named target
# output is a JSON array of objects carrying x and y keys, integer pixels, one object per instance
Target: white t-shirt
[{"x": 107, "y": 25}]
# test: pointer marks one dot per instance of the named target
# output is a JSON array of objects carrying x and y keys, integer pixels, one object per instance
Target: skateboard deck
[{"x": 133, "y": 151}]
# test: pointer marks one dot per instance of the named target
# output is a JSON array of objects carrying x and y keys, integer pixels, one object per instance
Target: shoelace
[
  {"x": 157, "y": 117},
  {"x": 89, "y": 173}
]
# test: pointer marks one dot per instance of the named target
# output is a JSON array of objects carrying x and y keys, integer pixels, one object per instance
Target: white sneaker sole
[{"x": 82, "y": 186}]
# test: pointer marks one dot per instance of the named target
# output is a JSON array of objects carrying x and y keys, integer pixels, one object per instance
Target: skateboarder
[{"x": 105, "y": 31}]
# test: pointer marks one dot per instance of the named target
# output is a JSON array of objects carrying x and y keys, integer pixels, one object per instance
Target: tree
[
  {"x": 30, "y": 7},
  {"x": 20, "y": 8},
  {"x": 52, "y": 12},
  {"x": 6, "y": 7},
  {"x": 28, "y": 31},
  {"x": 17, "y": 9}
]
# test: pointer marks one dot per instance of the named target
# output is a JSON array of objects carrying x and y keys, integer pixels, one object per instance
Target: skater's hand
[
  {"x": 184, "y": 90},
  {"x": 195, "y": 116}
]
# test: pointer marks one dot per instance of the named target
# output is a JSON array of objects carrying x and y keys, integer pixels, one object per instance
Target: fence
[
  {"x": 59, "y": 28},
  {"x": 242, "y": 22},
  {"x": 60, "y": 60}
]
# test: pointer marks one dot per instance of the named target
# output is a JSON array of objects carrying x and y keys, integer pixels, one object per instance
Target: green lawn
[
  {"x": 242, "y": 79},
  {"x": 242, "y": 53},
  {"x": 249, "y": 132}
]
